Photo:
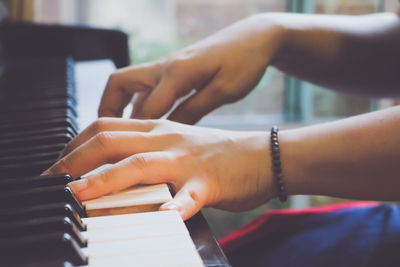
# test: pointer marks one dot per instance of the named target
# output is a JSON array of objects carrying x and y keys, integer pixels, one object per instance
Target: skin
[{"x": 353, "y": 158}]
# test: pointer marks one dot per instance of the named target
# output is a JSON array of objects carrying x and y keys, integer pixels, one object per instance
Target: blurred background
[{"x": 159, "y": 27}]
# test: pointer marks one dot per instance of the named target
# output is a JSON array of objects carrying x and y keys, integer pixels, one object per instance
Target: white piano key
[
  {"x": 141, "y": 231},
  {"x": 132, "y": 219},
  {"x": 134, "y": 196},
  {"x": 139, "y": 245},
  {"x": 150, "y": 259}
]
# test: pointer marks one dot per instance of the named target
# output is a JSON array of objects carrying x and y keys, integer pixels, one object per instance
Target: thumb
[{"x": 189, "y": 199}]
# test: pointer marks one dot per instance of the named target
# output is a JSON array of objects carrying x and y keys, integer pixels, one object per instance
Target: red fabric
[{"x": 270, "y": 221}]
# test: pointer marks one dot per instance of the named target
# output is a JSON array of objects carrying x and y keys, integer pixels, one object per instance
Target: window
[{"x": 159, "y": 27}]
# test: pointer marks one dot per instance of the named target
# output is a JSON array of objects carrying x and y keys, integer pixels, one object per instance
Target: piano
[{"x": 42, "y": 222}]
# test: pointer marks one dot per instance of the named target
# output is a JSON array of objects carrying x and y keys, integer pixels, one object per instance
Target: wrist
[
  {"x": 272, "y": 35},
  {"x": 265, "y": 175},
  {"x": 294, "y": 163},
  {"x": 258, "y": 144},
  {"x": 277, "y": 35}
]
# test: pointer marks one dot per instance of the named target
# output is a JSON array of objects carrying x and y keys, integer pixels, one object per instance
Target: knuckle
[
  {"x": 112, "y": 78},
  {"x": 102, "y": 179},
  {"x": 140, "y": 161},
  {"x": 98, "y": 126},
  {"x": 172, "y": 138},
  {"x": 159, "y": 124},
  {"x": 177, "y": 64},
  {"x": 104, "y": 139},
  {"x": 100, "y": 182}
]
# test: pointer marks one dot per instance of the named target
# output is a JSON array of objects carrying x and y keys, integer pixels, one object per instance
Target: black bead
[
  {"x": 276, "y": 156},
  {"x": 277, "y": 169}
]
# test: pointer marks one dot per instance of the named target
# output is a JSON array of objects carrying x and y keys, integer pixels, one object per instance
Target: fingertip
[
  {"x": 47, "y": 172},
  {"x": 79, "y": 186},
  {"x": 169, "y": 206},
  {"x": 182, "y": 117},
  {"x": 173, "y": 206}
]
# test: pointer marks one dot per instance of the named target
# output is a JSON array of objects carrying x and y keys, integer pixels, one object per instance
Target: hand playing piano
[
  {"x": 206, "y": 167},
  {"x": 222, "y": 68}
]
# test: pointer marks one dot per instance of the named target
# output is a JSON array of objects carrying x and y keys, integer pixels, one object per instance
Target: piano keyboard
[{"x": 42, "y": 223}]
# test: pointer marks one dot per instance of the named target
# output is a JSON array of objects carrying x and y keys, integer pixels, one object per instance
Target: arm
[
  {"x": 356, "y": 157},
  {"x": 352, "y": 54}
]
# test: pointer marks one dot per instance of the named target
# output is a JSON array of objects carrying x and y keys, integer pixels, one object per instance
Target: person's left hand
[{"x": 205, "y": 166}]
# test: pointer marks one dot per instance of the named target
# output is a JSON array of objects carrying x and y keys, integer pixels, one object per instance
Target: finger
[
  {"x": 199, "y": 104},
  {"x": 138, "y": 102},
  {"x": 146, "y": 168},
  {"x": 160, "y": 100},
  {"x": 114, "y": 98},
  {"x": 123, "y": 84},
  {"x": 105, "y": 125},
  {"x": 106, "y": 147},
  {"x": 189, "y": 199}
]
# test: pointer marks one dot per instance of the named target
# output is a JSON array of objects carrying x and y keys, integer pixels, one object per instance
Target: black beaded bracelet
[{"x": 276, "y": 164}]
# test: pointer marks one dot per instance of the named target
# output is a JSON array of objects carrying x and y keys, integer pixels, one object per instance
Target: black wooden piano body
[{"x": 40, "y": 217}]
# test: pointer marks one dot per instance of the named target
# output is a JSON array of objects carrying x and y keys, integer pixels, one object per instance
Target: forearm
[
  {"x": 353, "y": 54},
  {"x": 353, "y": 158}
]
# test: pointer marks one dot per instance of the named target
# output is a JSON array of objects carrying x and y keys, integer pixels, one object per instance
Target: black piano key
[
  {"x": 41, "y": 248},
  {"x": 37, "y": 104},
  {"x": 7, "y": 184},
  {"x": 23, "y": 117},
  {"x": 37, "y": 132},
  {"x": 36, "y": 125},
  {"x": 18, "y": 142},
  {"x": 25, "y": 169},
  {"x": 48, "y": 148},
  {"x": 41, "y": 226},
  {"x": 42, "y": 195},
  {"x": 28, "y": 158},
  {"x": 41, "y": 211},
  {"x": 17, "y": 135},
  {"x": 49, "y": 263}
]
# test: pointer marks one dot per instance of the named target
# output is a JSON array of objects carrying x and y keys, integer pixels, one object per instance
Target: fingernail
[
  {"x": 46, "y": 172},
  {"x": 79, "y": 185},
  {"x": 169, "y": 206}
]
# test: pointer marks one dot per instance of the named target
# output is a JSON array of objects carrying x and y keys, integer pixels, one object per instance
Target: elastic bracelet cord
[{"x": 276, "y": 164}]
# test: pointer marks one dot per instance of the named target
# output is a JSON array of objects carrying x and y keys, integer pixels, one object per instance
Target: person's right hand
[
  {"x": 204, "y": 166},
  {"x": 222, "y": 68}
]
